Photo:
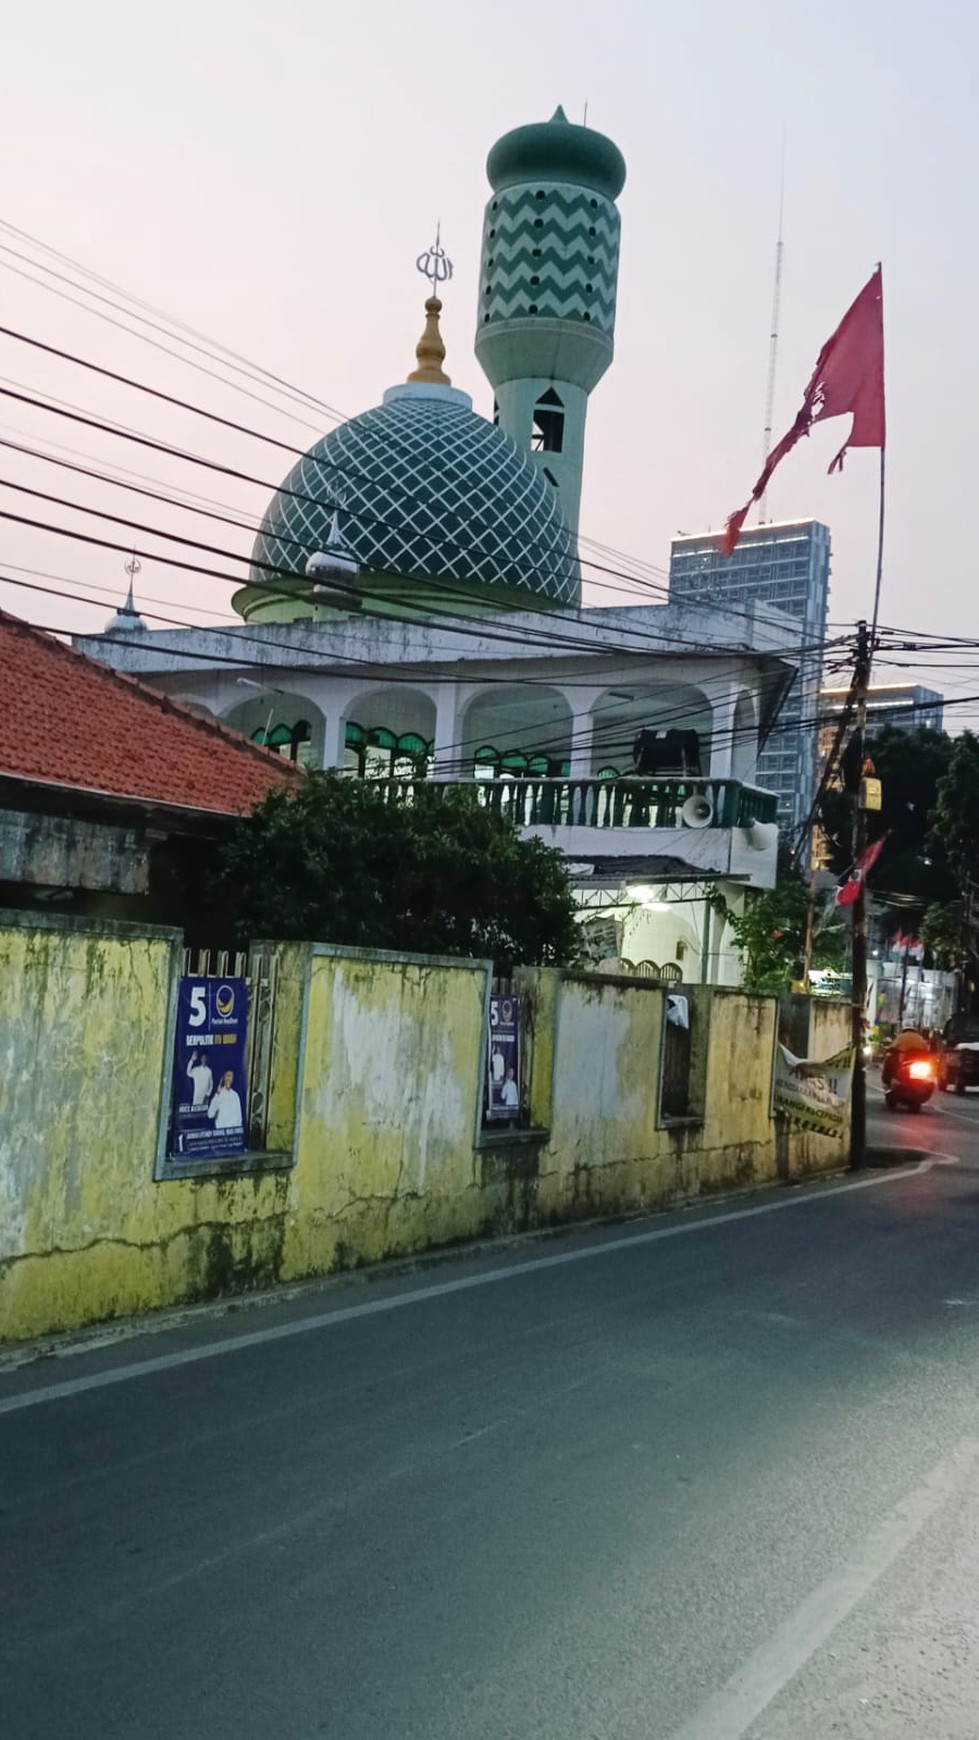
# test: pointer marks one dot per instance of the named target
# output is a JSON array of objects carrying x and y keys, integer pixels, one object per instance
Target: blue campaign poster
[
  {"x": 503, "y": 1062},
  {"x": 209, "y": 1119}
]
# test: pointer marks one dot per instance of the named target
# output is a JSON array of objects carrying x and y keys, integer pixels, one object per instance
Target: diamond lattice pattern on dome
[{"x": 428, "y": 490}]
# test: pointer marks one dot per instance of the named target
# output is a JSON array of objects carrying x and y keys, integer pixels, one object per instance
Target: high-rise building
[
  {"x": 786, "y": 565},
  {"x": 904, "y": 706}
]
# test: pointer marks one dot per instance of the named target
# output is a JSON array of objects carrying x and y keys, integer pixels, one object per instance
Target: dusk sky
[{"x": 267, "y": 175}]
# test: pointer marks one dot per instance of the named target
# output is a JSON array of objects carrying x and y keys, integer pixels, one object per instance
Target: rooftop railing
[{"x": 607, "y": 803}]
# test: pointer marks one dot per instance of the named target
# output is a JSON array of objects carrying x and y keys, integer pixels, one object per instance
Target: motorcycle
[{"x": 909, "y": 1080}]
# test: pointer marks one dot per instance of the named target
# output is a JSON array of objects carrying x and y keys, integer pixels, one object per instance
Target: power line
[
  {"x": 240, "y": 364},
  {"x": 385, "y": 677},
  {"x": 642, "y": 635},
  {"x": 296, "y": 453}
]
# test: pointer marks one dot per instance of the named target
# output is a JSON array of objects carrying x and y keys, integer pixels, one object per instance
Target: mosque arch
[
  {"x": 279, "y": 719},
  {"x": 547, "y": 428},
  {"x": 389, "y": 733},
  {"x": 618, "y": 715},
  {"x": 506, "y": 729}
]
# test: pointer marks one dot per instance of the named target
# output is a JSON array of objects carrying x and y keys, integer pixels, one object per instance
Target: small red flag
[
  {"x": 847, "y": 892},
  {"x": 849, "y": 376}
]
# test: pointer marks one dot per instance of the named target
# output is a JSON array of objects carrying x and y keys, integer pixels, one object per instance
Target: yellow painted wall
[
  {"x": 608, "y": 1149},
  {"x": 390, "y": 1088},
  {"x": 85, "y": 1232},
  {"x": 605, "y": 1151},
  {"x": 375, "y": 1088}
]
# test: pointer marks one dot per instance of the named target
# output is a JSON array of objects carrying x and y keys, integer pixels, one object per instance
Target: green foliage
[
  {"x": 771, "y": 932},
  {"x": 955, "y": 820},
  {"x": 942, "y": 934},
  {"x": 337, "y": 862},
  {"x": 910, "y": 766}
]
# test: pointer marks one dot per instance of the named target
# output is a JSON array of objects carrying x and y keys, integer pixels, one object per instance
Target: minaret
[{"x": 549, "y": 268}]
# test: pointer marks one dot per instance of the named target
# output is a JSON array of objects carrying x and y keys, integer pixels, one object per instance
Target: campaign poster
[
  {"x": 209, "y": 1120},
  {"x": 814, "y": 1095},
  {"x": 503, "y": 1062}
]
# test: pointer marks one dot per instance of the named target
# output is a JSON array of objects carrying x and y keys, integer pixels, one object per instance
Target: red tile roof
[{"x": 68, "y": 721}]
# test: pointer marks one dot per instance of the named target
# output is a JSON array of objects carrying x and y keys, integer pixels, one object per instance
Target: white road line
[
  {"x": 121, "y": 1374},
  {"x": 730, "y": 1713}
]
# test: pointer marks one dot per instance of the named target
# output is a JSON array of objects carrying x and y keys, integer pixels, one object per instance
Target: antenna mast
[{"x": 773, "y": 341}]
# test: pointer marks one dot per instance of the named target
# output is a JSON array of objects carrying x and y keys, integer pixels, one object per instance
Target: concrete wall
[
  {"x": 58, "y": 852},
  {"x": 85, "y": 1232},
  {"x": 389, "y": 1103},
  {"x": 374, "y": 1105},
  {"x": 609, "y": 1149}
]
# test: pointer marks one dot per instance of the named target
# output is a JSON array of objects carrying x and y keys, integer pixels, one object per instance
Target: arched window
[
  {"x": 381, "y": 744},
  {"x": 354, "y": 740},
  {"x": 381, "y": 754},
  {"x": 486, "y": 763},
  {"x": 490, "y": 763},
  {"x": 292, "y": 742},
  {"x": 547, "y": 434}
]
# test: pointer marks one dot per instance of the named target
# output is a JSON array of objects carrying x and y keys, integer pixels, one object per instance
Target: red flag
[
  {"x": 849, "y": 376},
  {"x": 847, "y": 892}
]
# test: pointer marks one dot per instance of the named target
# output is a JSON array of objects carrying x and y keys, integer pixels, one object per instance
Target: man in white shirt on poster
[
  {"x": 225, "y": 1108},
  {"x": 201, "y": 1079}
]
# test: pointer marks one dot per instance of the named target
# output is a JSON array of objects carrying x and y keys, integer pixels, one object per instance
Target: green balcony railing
[{"x": 608, "y": 803}]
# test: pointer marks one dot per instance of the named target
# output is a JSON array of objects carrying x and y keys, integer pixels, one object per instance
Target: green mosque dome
[
  {"x": 557, "y": 150},
  {"x": 419, "y": 502},
  {"x": 425, "y": 491}
]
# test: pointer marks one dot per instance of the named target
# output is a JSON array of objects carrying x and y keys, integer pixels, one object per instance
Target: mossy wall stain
[{"x": 389, "y": 1100}]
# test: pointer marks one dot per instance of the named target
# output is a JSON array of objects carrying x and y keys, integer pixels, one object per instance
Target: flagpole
[
  {"x": 858, "y": 952},
  {"x": 880, "y": 559}
]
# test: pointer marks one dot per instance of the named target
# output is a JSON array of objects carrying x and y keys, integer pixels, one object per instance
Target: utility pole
[
  {"x": 858, "y": 947},
  {"x": 810, "y": 925}
]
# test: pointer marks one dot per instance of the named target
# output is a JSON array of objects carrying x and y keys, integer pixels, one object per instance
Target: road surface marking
[
  {"x": 730, "y": 1713},
  {"x": 121, "y": 1374}
]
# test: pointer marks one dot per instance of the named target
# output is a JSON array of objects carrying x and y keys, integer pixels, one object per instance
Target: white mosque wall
[
  {"x": 716, "y": 851},
  {"x": 681, "y": 931}
]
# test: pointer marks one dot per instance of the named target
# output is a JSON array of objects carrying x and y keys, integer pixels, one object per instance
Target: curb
[{"x": 882, "y": 1155}]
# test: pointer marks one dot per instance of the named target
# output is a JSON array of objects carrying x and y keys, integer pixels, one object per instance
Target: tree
[
  {"x": 911, "y": 766},
  {"x": 943, "y": 934},
  {"x": 955, "y": 816},
  {"x": 338, "y": 861},
  {"x": 771, "y": 932}
]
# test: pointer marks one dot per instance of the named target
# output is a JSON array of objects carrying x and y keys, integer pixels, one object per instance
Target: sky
[{"x": 268, "y": 175}]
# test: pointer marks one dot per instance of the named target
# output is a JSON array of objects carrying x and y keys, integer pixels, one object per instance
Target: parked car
[{"x": 959, "y": 1061}]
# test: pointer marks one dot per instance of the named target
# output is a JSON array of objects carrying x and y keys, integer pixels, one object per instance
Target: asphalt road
[{"x": 709, "y": 1476}]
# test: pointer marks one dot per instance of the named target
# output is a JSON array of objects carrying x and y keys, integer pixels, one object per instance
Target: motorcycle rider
[{"x": 905, "y": 1045}]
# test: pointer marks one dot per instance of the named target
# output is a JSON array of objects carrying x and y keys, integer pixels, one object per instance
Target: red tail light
[{"x": 922, "y": 1069}]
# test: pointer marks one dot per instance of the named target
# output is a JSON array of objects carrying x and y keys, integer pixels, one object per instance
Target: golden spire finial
[
  {"x": 436, "y": 266},
  {"x": 430, "y": 350}
]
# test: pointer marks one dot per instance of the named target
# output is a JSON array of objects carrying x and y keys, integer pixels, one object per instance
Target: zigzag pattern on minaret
[
  {"x": 565, "y": 241},
  {"x": 553, "y": 302}
]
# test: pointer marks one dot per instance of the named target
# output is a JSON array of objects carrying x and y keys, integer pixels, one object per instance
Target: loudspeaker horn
[
  {"x": 762, "y": 836},
  {"x": 697, "y": 812}
]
